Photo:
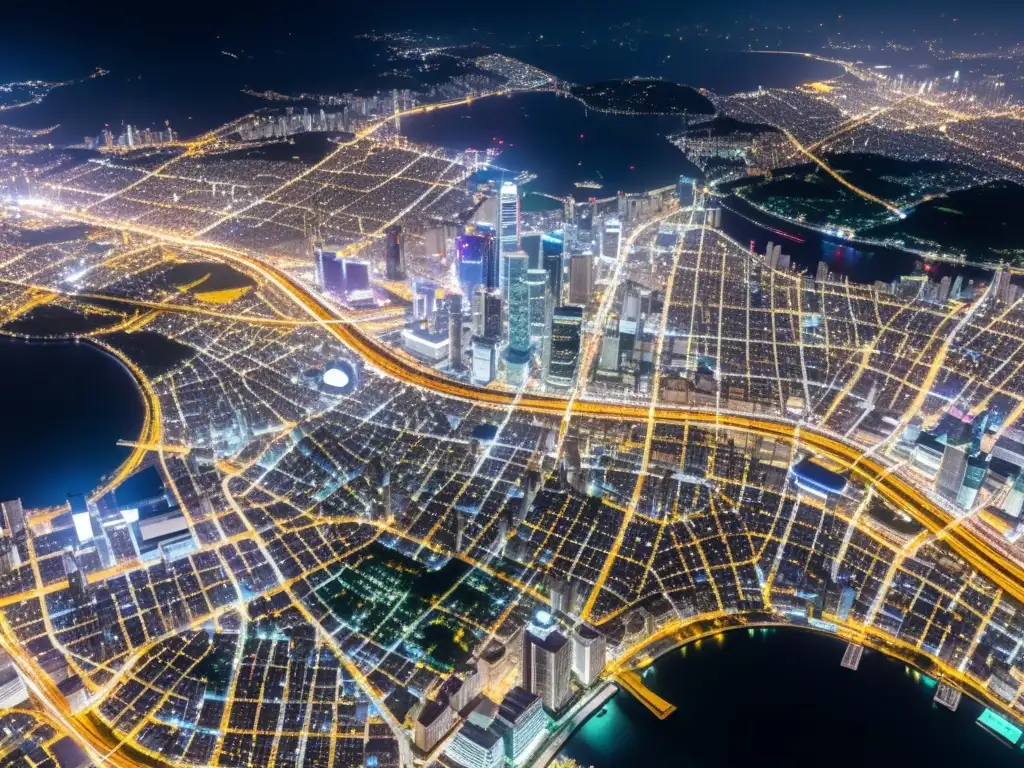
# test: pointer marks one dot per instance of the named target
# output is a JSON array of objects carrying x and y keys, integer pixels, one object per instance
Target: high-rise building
[
  {"x": 518, "y": 292},
  {"x": 822, "y": 274},
  {"x": 522, "y": 722},
  {"x": 330, "y": 273},
  {"x": 14, "y": 516},
  {"x": 394, "y": 253},
  {"x": 531, "y": 246},
  {"x": 432, "y": 723},
  {"x": 566, "y": 332},
  {"x": 485, "y": 359},
  {"x": 476, "y": 262},
  {"x": 952, "y": 469},
  {"x": 589, "y": 650},
  {"x": 612, "y": 237},
  {"x": 958, "y": 285},
  {"x": 476, "y": 747},
  {"x": 629, "y": 315},
  {"x": 1013, "y": 504},
  {"x": 508, "y": 230},
  {"x": 581, "y": 278},
  {"x": 424, "y": 299},
  {"x": 974, "y": 478},
  {"x": 455, "y": 332},
  {"x": 540, "y": 304},
  {"x": 608, "y": 362},
  {"x": 547, "y": 661},
  {"x": 486, "y": 313},
  {"x": 553, "y": 266},
  {"x": 684, "y": 191},
  {"x": 944, "y": 286}
]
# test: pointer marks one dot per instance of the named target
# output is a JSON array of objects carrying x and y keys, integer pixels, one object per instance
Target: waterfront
[
  {"x": 782, "y": 694},
  {"x": 65, "y": 406}
]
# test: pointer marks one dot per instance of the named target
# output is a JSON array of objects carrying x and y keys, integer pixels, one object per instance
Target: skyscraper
[
  {"x": 566, "y": 329},
  {"x": 952, "y": 468},
  {"x": 476, "y": 262},
  {"x": 508, "y": 230},
  {"x": 581, "y": 278},
  {"x": 522, "y": 722},
  {"x": 455, "y": 332},
  {"x": 553, "y": 266},
  {"x": 486, "y": 313},
  {"x": 394, "y": 253},
  {"x": 540, "y": 302},
  {"x": 485, "y": 351},
  {"x": 611, "y": 239},
  {"x": 518, "y": 302},
  {"x": 14, "y": 516},
  {"x": 822, "y": 274},
  {"x": 588, "y": 654},
  {"x": 531, "y": 246},
  {"x": 547, "y": 661},
  {"x": 330, "y": 272}
]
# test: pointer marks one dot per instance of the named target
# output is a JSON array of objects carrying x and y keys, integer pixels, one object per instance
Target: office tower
[
  {"x": 547, "y": 661},
  {"x": 540, "y": 303},
  {"x": 566, "y": 330},
  {"x": 517, "y": 356},
  {"x": 1014, "y": 501},
  {"x": 531, "y": 246},
  {"x": 952, "y": 468},
  {"x": 357, "y": 275},
  {"x": 455, "y": 332},
  {"x": 330, "y": 272},
  {"x": 684, "y": 191},
  {"x": 508, "y": 230},
  {"x": 559, "y": 592},
  {"x": 435, "y": 240},
  {"x": 485, "y": 352},
  {"x": 822, "y": 274},
  {"x": 424, "y": 299},
  {"x": 14, "y": 516},
  {"x": 585, "y": 216},
  {"x": 553, "y": 266},
  {"x": 629, "y": 314},
  {"x": 476, "y": 747},
  {"x": 589, "y": 650},
  {"x": 611, "y": 239},
  {"x": 477, "y": 262},
  {"x": 569, "y": 211},
  {"x": 394, "y": 253},
  {"x": 581, "y": 278},
  {"x": 608, "y": 362},
  {"x": 957, "y": 289},
  {"x": 522, "y": 722},
  {"x": 432, "y": 723},
  {"x": 486, "y": 313},
  {"x": 944, "y": 285},
  {"x": 974, "y": 478}
]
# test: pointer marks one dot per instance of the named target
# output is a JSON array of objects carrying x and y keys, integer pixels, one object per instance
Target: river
[
  {"x": 780, "y": 697},
  {"x": 65, "y": 406}
]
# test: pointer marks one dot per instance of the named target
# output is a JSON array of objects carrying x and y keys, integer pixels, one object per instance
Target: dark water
[
  {"x": 562, "y": 142},
  {"x": 860, "y": 263},
  {"x": 64, "y": 407},
  {"x": 781, "y": 698},
  {"x": 720, "y": 70}
]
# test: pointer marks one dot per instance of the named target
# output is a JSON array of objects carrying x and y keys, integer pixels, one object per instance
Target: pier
[
  {"x": 851, "y": 658},
  {"x": 947, "y": 696},
  {"x": 633, "y": 683}
]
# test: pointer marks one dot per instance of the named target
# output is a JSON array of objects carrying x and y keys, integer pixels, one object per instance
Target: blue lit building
[{"x": 477, "y": 262}]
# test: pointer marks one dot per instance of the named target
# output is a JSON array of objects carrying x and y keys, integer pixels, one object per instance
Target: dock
[
  {"x": 947, "y": 696},
  {"x": 851, "y": 658},
  {"x": 633, "y": 683}
]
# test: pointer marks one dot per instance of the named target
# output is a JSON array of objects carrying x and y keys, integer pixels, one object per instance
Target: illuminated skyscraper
[
  {"x": 540, "y": 303},
  {"x": 394, "y": 253},
  {"x": 566, "y": 329},
  {"x": 330, "y": 275},
  {"x": 581, "y": 278},
  {"x": 611, "y": 239},
  {"x": 953, "y": 468},
  {"x": 14, "y": 516},
  {"x": 476, "y": 262},
  {"x": 588, "y": 654},
  {"x": 455, "y": 332},
  {"x": 547, "y": 661},
  {"x": 553, "y": 266},
  {"x": 519, "y": 346},
  {"x": 508, "y": 230}
]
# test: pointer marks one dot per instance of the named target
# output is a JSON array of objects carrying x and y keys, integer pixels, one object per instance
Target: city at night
[{"x": 516, "y": 386}]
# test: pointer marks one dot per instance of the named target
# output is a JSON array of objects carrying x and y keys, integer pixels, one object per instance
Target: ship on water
[{"x": 589, "y": 185}]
